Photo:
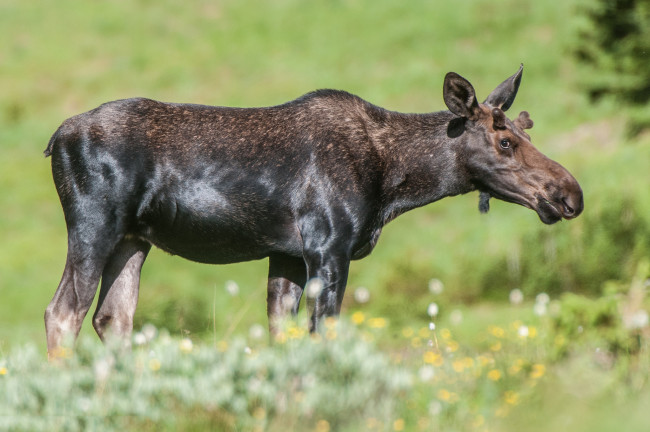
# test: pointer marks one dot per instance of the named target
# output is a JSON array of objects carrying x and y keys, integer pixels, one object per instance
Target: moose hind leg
[
  {"x": 72, "y": 299},
  {"x": 118, "y": 295},
  {"x": 287, "y": 278}
]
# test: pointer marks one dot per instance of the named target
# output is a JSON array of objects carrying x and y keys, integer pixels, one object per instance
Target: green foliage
[{"x": 615, "y": 41}]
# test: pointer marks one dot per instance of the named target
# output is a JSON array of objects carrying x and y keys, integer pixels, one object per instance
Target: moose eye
[{"x": 505, "y": 143}]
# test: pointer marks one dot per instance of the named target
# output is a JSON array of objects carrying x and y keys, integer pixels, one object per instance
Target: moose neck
[{"x": 423, "y": 157}]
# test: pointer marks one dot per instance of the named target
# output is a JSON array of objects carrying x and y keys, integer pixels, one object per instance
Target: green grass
[{"x": 62, "y": 58}]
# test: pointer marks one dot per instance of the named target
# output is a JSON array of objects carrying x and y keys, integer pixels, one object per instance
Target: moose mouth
[{"x": 548, "y": 212}]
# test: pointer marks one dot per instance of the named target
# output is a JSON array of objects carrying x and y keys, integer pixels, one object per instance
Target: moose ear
[
  {"x": 504, "y": 95},
  {"x": 460, "y": 97}
]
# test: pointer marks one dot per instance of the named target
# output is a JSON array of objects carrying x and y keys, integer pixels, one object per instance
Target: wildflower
[
  {"x": 432, "y": 326},
  {"x": 295, "y": 332},
  {"x": 458, "y": 365},
  {"x": 538, "y": 371},
  {"x": 515, "y": 368},
  {"x": 330, "y": 322},
  {"x": 433, "y": 310},
  {"x": 496, "y": 346},
  {"x": 539, "y": 309},
  {"x": 416, "y": 342},
  {"x": 361, "y": 295},
  {"x": 542, "y": 298},
  {"x": 186, "y": 345},
  {"x": 322, "y": 426},
  {"x": 149, "y": 331},
  {"x": 426, "y": 373},
  {"x": 468, "y": 362},
  {"x": 222, "y": 346},
  {"x": 502, "y": 412},
  {"x": 139, "y": 338},
  {"x": 436, "y": 286},
  {"x": 452, "y": 346},
  {"x": 445, "y": 333},
  {"x": 232, "y": 288},
  {"x": 523, "y": 332},
  {"x": 358, "y": 317},
  {"x": 154, "y": 364},
  {"x": 377, "y": 322},
  {"x": 373, "y": 423},
  {"x": 484, "y": 360},
  {"x": 314, "y": 288},
  {"x": 435, "y": 408},
  {"x": 511, "y": 397},
  {"x": 330, "y": 334},
  {"x": 424, "y": 332},
  {"x": 444, "y": 395},
  {"x": 433, "y": 358},
  {"x": 496, "y": 331},
  {"x": 494, "y": 375},
  {"x": 256, "y": 331},
  {"x": 532, "y": 332},
  {"x": 456, "y": 317},
  {"x": 398, "y": 425},
  {"x": 3, "y": 370},
  {"x": 516, "y": 296}
]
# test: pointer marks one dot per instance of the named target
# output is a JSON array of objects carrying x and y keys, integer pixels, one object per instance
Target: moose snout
[{"x": 572, "y": 201}]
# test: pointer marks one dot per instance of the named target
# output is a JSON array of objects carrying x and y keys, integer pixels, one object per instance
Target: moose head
[{"x": 500, "y": 158}]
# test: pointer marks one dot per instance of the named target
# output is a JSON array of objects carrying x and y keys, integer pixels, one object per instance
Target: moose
[{"x": 308, "y": 184}]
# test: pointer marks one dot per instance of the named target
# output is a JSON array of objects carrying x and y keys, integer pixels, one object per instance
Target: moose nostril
[{"x": 568, "y": 210}]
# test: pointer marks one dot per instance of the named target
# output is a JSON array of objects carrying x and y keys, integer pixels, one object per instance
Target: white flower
[
  {"x": 539, "y": 309},
  {"x": 186, "y": 345},
  {"x": 256, "y": 331},
  {"x": 314, "y": 288},
  {"x": 435, "y": 408},
  {"x": 523, "y": 331},
  {"x": 516, "y": 296},
  {"x": 436, "y": 286},
  {"x": 432, "y": 326},
  {"x": 232, "y": 288},
  {"x": 149, "y": 331},
  {"x": 139, "y": 339},
  {"x": 361, "y": 295},
  {"x": 426, "y": 373},
  {"x": 433, "y": 310},
  {"x": 542, "y": 298}
]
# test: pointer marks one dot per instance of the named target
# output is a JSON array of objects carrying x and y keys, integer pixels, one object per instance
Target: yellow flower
[
  {"x": 537, "y": 371},
  {"x": 468, "y": 362},
  {"x": 560, "y": 340},
  {"x": 154, "y": 364},
  {"x": 377, "y": 322},
  {"x": 445, "y": 333},
  {"x": 458, "y": 365},
  {"x": 444, "y": 395},
  {"x": 416, "y": 342},
  {"x": 532, "y": 332},
  {"x": 322, "y": 426},
  {"x": 222, "y": 345},
  {"x": 330, "y": 322},
  {"x": 294, "y": 332},
  {"x": 452, "y": 346},
  {"x": 3, "y": 370},
  {"x": 330, "y": 334},
  {"x": 259, "y": 413},
  {"x": 496, "y": 346},
  {"x": 424, "y": 332},
  {"x": 484, "y": 360},
  {"x": 515, "y": 368},
  {"x": 496, "y": 331},
  {"x": 407, "y": 332},
  {"x": 433, "y": 358},
  {"x": 494, "y": 375},
  {"x": 358, "y": 317},
  {"x": 511, "y": 398},
  {"x": 502, "y": 412},
  {"x": 398, "y": 425}
]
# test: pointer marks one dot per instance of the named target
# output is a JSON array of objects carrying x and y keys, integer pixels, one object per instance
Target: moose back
[{"x": 308, "y": 184}]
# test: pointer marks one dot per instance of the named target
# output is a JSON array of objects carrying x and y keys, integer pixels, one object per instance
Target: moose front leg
[
  {"x": 287, "y": 277},
  {"x": 332, "y": 274}
]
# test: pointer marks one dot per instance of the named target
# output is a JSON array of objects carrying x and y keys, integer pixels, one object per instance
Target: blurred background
[{"x": 585, "y": 83}]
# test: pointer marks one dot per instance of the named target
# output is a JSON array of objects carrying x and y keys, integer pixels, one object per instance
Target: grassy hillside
[{"x": 62, "y": 58}]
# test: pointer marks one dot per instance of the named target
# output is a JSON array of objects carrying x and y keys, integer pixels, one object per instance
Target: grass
[{"x": 59, "y": 59}]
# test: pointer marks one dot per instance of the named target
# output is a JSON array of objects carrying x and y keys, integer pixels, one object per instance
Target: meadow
[{"x": 481, "y": 362}]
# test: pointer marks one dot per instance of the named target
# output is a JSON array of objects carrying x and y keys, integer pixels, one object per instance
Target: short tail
[{"x": 50, "y": 145}]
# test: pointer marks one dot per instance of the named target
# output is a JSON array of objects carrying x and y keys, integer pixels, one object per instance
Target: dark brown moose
[{"x": 309, "y": 184}]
